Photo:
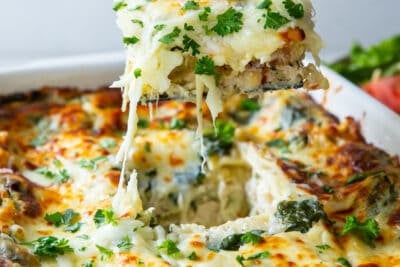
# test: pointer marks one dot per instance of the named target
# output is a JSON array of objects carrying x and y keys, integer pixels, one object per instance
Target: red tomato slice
[{"x": 386, "y": 90}]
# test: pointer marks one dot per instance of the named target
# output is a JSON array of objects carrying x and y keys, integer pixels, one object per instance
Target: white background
[{"x": 38, "y": 29}]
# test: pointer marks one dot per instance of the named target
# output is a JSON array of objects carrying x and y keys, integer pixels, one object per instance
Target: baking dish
[{"x": 380, "y": 125}]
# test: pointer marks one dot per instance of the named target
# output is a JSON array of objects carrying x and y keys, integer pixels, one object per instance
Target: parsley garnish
[
  {"x": 108, "y": 143},
  {"x": 322, "y": 248},
  {"x": 193, "y": 256},
  {"x": 234, "y": 241},
  {"x": 170, "y": 37},
  {"x": 59, "y": 176},
  {"x": 265, "y": 4},
  {"x": 177, "y": 124},
  {"x": 189, "y": 43},
  {"x": 203, "y": 15},
  {"x": 274, "y": 20},
  {"x": 68, "y": 218},
  {"x": 191, "y": 5},
  {"x": 328, "y": 189},
  {"x": 262, "y": 255},
  {"x": 367, "y": 230},
  {"x": 295, "y": 10},
  {"x": 280, "y": 144},
  {"x": 125, "y": 244},
  {"x": 138, "y": 21},
  {"x": 188, "y": 27},
  {"x": 105, "y": 253},
  {"x": 249, "y": 105},
  {"x": 159, "y": 27},
  {"x": 205, "y": 65},
  {"x": 228, "y": 22},
  {"x": 221, "y": 140},
  {"x": 143, "y": 123},
  {"x": 130, "y": 40},
  {"x": 344, "y": 262},
  {"x": 170, "y": 248},
  {"x": 89, "y": 264},
  {"x": 137, "y": 73},
  {"x": 91, "y": 164},
  {"x": 105, "y": 217},
  {"x": 49, "y": 246},
  {"x": 119, "y": 5}
]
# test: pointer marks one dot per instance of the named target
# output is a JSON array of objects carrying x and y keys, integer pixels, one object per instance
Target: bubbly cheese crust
[{"x": 57, "y": 156}]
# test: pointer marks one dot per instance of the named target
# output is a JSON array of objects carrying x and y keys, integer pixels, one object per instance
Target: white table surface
[{"x": 33, "y": 30}]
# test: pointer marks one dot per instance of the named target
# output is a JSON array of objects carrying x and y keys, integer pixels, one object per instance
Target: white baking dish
[{"x": 380, "y": 125}]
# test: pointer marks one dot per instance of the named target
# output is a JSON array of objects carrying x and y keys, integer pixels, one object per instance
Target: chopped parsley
[
  {"x": 321, "y": 248},
  {"x": 193, "y": 256},
  {"x": 137, "y": 73},
  {"x": 89, "y": 264},
  {"x": 143, "y": 123},
  {"x": 249, "y": 105},
  {"x": 344, "y": 262},
  {"x": 107, "y": 143},
  {"x": 68, "y": 218},
  {"x": 170, "y": 37},
  {"x": 300, "y": 215},
  {"x": 189, "y": 43},
  {"x": 328, "y": 189},
  {"x": 177, "y": 124},
  {"x": 169, "y": 247},
  {"x": 60, "y": 176},
  {"x": 262, "y": 255},
  {"x": 119, "y": 5},
  {"x": 105, "y": 217},
  {"x": 274, "y": 20},
  {"x": 50, "y": 246},
  {"x": 125, "y": 244},
  {"x": 234, "y": 241},
  {"x": 91, "y": 164},
  {"x": 221, "y": 140},
  {"x": 105, "y": 253},
  {"x": 280, "y": 144},
  {"x": 266, "y": 4},
  {"x": 159, "y": 27},
  {"x": 130, "y": 40},
  {"x": 295, "y": 10},
  {"x": 205, "y": 66},
  {"x": 191, "y": 5},
  {"x": 188, "y": 27},
  {"x": 367, "y": 230},
  {"x": 138, "y": 21},
  {"x": 228, "y": 22},
  {"x": 203, "y": 15}
]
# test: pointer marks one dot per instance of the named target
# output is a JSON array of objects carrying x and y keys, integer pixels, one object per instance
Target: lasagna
[
  {"x": 285, "y": 184},
  {"x": 213, "y": 49}
]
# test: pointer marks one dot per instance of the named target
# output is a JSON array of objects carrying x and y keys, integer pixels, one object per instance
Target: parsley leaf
[
  {"x": 368, "y": 230},
  {"x": 265, "y": 4},
  {"x": 107, "y": 143},
  {"x": 191, "y": 5},
  {"x": 125, "y": 244},
  {"x": 250, "y": 237},
  {"x": 221, "y": 140},
  {"x": 274, "y": 20},
  {"x": 159, "y": 27},
  {"x": 59, "y": 176},
  {"x": 188, "y": 27},
  {"x": 91, "y": 164},
  {"x": 193, "y": 256},
  {"x": 261, "y": 255},
  {"x": 130, "y": 40},
  {"x": 295, "y": 10},
  {"x": 189, "y": 43},
  {"x": 234, "y": 241},
  {"x": 321, "y": 248},
  {"x": 177, "y": 124},
  {"x": 105, "y": 253},
  {"x": 143, "y": 123},
  {"x": 138, "y": 21},
  {"x": 249, "y": 105},
  {"x": 344, "y": 262},
  {"x": 119, "y": 5},
  {"x": 105, "y": 217},
  {"x": 203, "y": 15},
  {"x": 205, "y": 65},
  {"x": 73, "y": 227},
  {"x": 68, "y": 218},
  {"x": 170, "y": 248},
  {"x": 170, "y": 37},
  {"x": 137, "y": 73},
  {"x": 49, "y": 246},
  {"x": 228, "y": 22}
]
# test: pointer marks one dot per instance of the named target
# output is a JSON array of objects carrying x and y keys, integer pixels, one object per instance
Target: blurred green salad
[{"x": 376, "y": 69}]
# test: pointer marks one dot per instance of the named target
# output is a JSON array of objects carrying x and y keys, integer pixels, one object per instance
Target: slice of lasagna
[{"x": 188, "y": 49}]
